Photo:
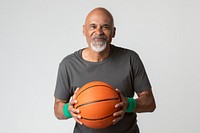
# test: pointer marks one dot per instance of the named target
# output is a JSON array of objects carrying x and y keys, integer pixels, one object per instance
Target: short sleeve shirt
[{"x": 123, "y": 69}]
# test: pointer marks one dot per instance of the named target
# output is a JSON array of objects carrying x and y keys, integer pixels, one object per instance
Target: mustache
[{"x": 99, "y": 37}]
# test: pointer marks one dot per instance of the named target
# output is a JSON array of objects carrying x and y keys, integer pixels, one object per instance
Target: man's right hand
[{"x": 75, "y": 113}]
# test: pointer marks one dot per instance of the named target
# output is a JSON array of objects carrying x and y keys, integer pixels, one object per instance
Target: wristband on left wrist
[{"x": 131, "y": 104}]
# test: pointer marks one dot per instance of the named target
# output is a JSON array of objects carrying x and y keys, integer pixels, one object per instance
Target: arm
[
  {"x": 145, "y": 102},
  {"x": 58, "y": 108}
]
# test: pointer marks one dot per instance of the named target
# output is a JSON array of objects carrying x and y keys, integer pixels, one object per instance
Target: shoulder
[
  {"x": 125, "y": 52},
  {"x": 71, "y": 58}
]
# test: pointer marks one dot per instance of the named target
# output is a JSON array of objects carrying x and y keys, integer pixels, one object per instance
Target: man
[{"x": 102, "y": 61}]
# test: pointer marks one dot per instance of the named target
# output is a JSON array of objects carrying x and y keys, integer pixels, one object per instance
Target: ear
[
  {"x": 83, "y": 30},
  {"x": 114, "y": 31}
]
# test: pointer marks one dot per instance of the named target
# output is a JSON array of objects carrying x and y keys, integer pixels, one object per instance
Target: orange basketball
[{"x": 96, "y": 102}]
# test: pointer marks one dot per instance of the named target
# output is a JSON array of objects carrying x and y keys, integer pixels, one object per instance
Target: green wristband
[
  {"x": 131, "y": 104},
  {"x": 66, "y": 111}
]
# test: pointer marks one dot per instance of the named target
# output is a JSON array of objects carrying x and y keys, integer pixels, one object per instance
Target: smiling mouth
[{"x": 99, "y": 39}]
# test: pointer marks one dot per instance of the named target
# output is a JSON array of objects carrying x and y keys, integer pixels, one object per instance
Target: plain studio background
[{"x": 35, "y": 35}]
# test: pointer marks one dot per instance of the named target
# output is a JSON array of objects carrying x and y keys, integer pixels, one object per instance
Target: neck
[{"x": 89, "y": 55}]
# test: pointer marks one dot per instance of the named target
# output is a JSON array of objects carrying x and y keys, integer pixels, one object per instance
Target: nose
[{"x": 99, "y": 30}]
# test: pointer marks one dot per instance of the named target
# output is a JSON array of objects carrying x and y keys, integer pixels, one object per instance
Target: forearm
[
  {"x": 58, "y": 110},
  {"x": 145, "y": 102}
]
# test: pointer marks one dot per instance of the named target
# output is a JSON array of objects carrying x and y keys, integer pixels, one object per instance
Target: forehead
[{"x": 99, "y": 17}]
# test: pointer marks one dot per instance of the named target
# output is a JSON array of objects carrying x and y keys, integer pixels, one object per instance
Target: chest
[{"x": 117, "y": 74}]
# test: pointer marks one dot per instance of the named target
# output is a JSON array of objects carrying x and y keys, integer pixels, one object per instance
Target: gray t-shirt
[{"x": 123, "y": 69}]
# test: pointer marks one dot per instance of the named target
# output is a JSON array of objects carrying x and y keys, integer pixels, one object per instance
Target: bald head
[
  {"x": 100, "y": 11},
  {"x": 99, "y": 29}
]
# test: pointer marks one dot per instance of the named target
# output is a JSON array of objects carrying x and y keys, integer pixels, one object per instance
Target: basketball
[{"x": 96, "y": 101}]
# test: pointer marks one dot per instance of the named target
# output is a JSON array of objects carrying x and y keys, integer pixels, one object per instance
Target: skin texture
[{"x": 99, "y": 22}]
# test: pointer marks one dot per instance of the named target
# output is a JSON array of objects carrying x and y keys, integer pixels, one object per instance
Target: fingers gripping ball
[{"x": 96, "y": 102}]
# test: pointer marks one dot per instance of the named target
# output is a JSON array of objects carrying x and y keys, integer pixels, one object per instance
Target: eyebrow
[
  {"x": 106, "y": 25},
  {"x": 92, "y": 24}
]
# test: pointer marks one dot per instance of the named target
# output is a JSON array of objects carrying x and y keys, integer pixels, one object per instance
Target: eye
[
  {"x": 105, "y": 27},
  {"x": 92, "y": 27}
]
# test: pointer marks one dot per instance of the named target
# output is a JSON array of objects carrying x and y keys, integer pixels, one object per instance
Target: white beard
[{"x": 98, "y": 46}]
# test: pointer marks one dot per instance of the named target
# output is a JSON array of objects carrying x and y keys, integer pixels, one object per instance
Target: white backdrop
[{"x": 35, "y": 35}]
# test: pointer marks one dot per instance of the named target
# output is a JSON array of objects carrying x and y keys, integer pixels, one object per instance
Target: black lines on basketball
[
  {"x": 97, "y": 118},
  {"x": 91, "y": 87},
  {"x": 96, "y": 102}
]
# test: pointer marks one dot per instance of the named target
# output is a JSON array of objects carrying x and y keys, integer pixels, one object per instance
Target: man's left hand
[{"x": 122, "y": 105}]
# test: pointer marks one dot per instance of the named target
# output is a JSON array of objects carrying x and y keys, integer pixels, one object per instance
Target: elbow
[
  {"x": 59, "y": 116},
  {"x": 58, "y": 109},
  {"x": 153, "y": 107}
]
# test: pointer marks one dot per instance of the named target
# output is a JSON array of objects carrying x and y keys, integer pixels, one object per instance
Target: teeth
[{"x": 99, "y": 37}]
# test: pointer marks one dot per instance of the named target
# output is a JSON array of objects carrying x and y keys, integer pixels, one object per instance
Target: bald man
[{"x": 103, "y": 61}]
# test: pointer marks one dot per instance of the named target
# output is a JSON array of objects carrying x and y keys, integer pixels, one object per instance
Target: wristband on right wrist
[
  {"x": 131, "y": 104},
  {"x": 66, "y": 111}
]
